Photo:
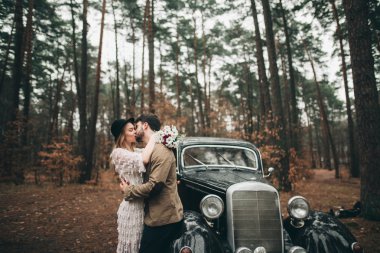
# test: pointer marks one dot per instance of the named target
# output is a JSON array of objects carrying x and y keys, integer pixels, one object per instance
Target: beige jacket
[{"x": 162, "y": 203}]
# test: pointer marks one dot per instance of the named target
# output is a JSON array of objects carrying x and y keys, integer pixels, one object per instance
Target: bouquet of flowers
[{"x": 168, "y": 136}]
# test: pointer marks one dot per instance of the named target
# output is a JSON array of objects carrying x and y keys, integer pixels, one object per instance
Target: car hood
[{"x": 223, "y": 178}]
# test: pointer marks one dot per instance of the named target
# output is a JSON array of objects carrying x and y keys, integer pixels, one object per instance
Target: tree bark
[
  {"x": 293, "y": 129},
  {"x": 249, "y": 107},
  {"x": 311, "y": 143},
  {"x": 191, "y": 122},
  {"x": 352, "y": 150},
  {"x": 94, "y": 114},
  {"x": 5, "y": 64},
  {"x": 325, "y": 123},
  {"x": 18, "y": 60},
  {"x": 286, "y": 103},
  {"x": 53, "y": 127},
  {"x": 161, "y": 71},
  {"x": 74, "y": 42},
  {"x": 117, "y": 97},
  {"x": 27, "y": 87},
  {"x": 133, "y": 91},
  {"x": 276, "y": 99},
  {"x": 150, "y": 17},
  {"x": 142, "y": 104},
  {"x": 177, "y": 81},
  {"x": 70, "y": 120},
  {"x": 197, "y": 84},
  {"x": 82, "y": 99},
  {"x": 265, "y": 101},
  {"x": 128, "y": 111},
  {"x": 366, "y": 105},
  {"x": 204, "y": 64}
]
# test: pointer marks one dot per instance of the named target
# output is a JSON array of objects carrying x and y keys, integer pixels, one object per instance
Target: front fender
[
  {"x": 197, "y": 235},
  {"x": 321, "y": 233}
]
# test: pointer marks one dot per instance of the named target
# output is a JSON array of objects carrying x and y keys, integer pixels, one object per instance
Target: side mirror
[{"x": 270, "y": 170}]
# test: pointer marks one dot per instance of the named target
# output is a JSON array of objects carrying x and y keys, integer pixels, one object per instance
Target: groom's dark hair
[{"x": 152, "y": 120}]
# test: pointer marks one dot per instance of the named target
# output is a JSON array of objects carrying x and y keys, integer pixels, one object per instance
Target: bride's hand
[{"x": 124, "y": 183}]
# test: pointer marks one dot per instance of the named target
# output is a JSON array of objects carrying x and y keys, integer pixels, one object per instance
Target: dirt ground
[{"x": 82, "y": 218}]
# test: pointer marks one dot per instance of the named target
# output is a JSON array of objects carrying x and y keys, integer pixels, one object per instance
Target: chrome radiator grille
[{"x": 255, "y": 220}]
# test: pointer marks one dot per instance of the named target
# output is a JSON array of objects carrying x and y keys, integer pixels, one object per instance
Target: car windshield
[{"x": 219, "y": 156}]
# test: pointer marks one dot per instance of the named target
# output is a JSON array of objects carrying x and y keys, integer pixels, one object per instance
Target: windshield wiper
[
  {"x": 225, "y": 159},
  {"x": 198, "y": 161},
  {"x": 234, "y": 169}
]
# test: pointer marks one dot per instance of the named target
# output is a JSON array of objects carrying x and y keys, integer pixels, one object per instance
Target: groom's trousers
[{"x": 158, "y": 239}]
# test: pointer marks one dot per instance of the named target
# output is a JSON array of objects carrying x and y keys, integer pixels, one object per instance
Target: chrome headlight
[
  {"x": 186, "y": 249},
  {"x": 243, "y": 250},
  {"x": 212, "y": 206},
  {"x": 297, "y": 249},
  {"x": 260, "y": 250},
  {"x": 298, "y": 208}
]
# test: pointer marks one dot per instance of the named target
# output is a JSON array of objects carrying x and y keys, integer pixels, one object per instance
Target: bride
[{"x": 129, "y": 165}]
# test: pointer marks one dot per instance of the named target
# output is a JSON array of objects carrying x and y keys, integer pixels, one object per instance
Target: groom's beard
[{"x": 139, "y": 138}]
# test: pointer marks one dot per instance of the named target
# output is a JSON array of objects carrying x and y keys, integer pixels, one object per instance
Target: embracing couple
[{"x": 150, "y": 216}]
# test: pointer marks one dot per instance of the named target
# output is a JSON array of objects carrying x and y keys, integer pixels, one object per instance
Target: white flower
[{"x": 168, "y": 136}]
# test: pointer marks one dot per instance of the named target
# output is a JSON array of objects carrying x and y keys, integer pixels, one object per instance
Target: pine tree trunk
[
  {"x": 152, "y": 96},
  {"x": 208, "y": 100},
  {"x": 27, "y": 88},
  {"x": 142, "y": 89},
  {"x": 311, "y": 144},
  {"x": 133, "y": 91},
  {"x": 74, "y": 42},
  {"x": 286, "y": 103},
  {"x": 53, "y": 127},
  {"x": 128, "y": 112},
  {"x": 161, "y": 71},
  {"x": 204, "y": 63},
  {"x": 318, "y": 144},
  {"x": 293, "y": 129},
  {"x": 113, "y": 98},
  {"x": 117, "y": 97},
  {"x": 265, "y": 102},
  {"x": 325, "y": 123},
  {"x": 241, "y": 112},
  {"x": 70, "y": 120},
  {"x": 197, "y": 84},
  {"x": 82, "y": 98},
  {"x": 5, "y": 63},
  {"x": 249, "y": 110},
  {"x": 366, "y": 105},
  {"x": 18, "y": 60},
  {"x": 94, "y": 114},
  {"x": 276, "y": 99},
  {"x": 325, "y": 145},
  {"x": 352, "y": 150},
  {"x": 310, "y": 134},
  {"x": 191, "y": 122},
  {"x": 177, "y": 81}
]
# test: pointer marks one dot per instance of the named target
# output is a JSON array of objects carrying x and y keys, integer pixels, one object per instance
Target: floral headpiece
[{"x": 168, "y": 136}]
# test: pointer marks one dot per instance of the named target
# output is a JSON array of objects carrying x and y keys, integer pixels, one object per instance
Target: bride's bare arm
[{"x": 147, "y": 151}]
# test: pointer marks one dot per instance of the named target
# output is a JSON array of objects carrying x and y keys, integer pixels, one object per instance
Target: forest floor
[{"x": 82, "y": 218}]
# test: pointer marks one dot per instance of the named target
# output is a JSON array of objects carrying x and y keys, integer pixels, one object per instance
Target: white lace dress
[{"x": 130, "y": 216}]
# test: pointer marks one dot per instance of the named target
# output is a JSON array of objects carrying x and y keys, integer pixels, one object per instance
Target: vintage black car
[{"x": 230, "y": 206}]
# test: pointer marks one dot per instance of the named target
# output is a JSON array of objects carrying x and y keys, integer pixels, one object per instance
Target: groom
[{"x": 163, "y": 207}]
